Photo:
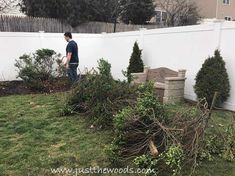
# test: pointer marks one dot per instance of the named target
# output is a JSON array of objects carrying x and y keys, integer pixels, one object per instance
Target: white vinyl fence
[{"x": 175, "y": 48}]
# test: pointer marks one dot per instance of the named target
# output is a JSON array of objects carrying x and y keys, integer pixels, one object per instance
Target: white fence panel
[{"x": 175, "y": 48}]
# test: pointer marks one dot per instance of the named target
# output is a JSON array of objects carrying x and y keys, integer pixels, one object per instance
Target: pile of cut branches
[
  {"x": 98, "y": 97},
  {"x": 146, "y": 129}
]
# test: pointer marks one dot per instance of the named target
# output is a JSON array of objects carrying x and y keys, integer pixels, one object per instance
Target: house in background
[
  {"x": 208, "y": 9},
  {"x": 161, "y": 16},
  {"x": 217, "y": 9}
]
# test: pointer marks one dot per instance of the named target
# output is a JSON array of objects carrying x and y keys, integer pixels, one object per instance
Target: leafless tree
[
  {"x": 106, "y": 10},
  {"x": 6, "y": 5},
  {"x": 180, "y": 12},
  {"x": 109, "y": 10}
]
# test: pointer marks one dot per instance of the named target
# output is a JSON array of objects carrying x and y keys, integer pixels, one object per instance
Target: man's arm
[{"x": 69, "y": 56}]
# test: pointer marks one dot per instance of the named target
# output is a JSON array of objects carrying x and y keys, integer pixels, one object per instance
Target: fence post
[
  {"x": 41, "y": 35},
  {"x": 218, "y": 33},
  {"x": 142, "y": 31}
]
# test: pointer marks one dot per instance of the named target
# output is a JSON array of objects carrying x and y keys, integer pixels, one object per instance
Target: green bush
[
  {"x": 211, "y": 78},
  {"x": 135, "y": 124},
  {"x": 146, "y": 109},
  {"x": 169, "y": 162},
  {"x": 135, "y": 127},
  {"x": 104, "y": 68},
  {"x": 147, "y": 102},
  {"x": 136, "y": 64},
  {"x": 34, "y": 69},
  {"x": 99, "y": 96}
]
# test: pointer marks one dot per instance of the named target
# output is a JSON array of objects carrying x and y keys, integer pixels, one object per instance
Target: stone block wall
[{"x": 173, "y": 86}]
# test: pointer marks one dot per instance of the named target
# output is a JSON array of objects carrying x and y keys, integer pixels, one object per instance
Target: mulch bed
[{"x": 20, "y": 88}]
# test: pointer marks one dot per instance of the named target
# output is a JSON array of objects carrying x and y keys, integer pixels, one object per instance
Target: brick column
[
  {"x": 139, "y": 78},
  {"x": 174, "y": 88}
]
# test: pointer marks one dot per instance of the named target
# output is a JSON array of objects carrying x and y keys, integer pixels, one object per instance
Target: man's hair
[{"x": 68, "y": 34}]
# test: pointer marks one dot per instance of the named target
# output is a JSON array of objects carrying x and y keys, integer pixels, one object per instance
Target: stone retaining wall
[{"x": 173, "y": 86}]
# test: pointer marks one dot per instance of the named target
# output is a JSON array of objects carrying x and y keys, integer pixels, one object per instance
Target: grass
[{"x": 35, "y": 139}]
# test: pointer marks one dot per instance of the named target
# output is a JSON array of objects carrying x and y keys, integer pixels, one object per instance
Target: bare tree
[
  {"x": 6, "y": 5},
  {"x": 180, "y": 12},
  {"x": 108, "y": 10}
]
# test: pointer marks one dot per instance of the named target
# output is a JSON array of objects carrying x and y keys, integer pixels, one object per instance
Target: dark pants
[{"x": 72, "y": 72}]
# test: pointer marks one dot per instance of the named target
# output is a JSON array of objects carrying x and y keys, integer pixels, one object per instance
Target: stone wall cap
[
  {"x": 182, "y": 70},
  {"x": 138, "y": 73},
  {"x": 175, "y": 79},
  {"x": 147, "y": 67}
]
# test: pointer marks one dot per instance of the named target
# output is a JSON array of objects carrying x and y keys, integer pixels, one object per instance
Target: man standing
[{"x": 72, "y": 57}]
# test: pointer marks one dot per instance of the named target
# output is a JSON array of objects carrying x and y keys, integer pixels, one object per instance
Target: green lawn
[{"x": 35, "y": 139}]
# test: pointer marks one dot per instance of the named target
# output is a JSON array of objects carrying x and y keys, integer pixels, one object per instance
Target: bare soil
[{"x": 20, "y": 88}]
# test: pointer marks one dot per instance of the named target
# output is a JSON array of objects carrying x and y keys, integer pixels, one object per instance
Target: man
[{"x": 72, "y": 57}]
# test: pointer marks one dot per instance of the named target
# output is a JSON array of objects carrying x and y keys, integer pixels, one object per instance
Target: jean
[{"x": 72, "y": 73}]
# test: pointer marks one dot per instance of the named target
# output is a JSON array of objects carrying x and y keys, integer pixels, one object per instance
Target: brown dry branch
[{"x": 157, "y": 137}]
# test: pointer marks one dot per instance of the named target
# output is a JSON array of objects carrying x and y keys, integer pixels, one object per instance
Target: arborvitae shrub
[
  {"x": 211, "y": 78},
  {"x": 136, "y": 64}
]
